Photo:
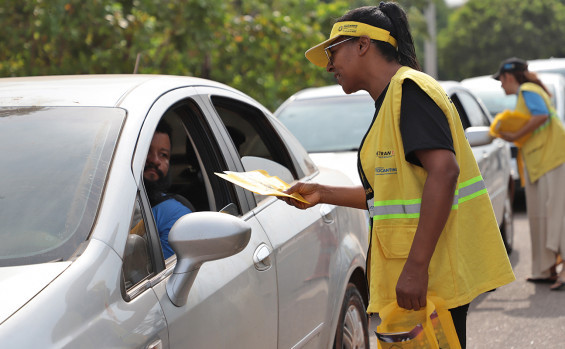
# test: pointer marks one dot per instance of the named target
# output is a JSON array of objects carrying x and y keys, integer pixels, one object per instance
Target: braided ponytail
[{"x": 406, "y": 50}]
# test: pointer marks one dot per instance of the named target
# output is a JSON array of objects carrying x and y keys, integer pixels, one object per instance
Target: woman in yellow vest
[
  {"x": 544, "y": 175},
  {"x": 433, "y": 231}
]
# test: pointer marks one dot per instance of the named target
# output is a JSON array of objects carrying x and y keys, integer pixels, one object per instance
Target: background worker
[
  {"x": 544, "y": 173},
  {"x": 433, "y": 228}
]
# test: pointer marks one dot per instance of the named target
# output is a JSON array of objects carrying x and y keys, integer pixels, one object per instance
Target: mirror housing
[
  {"x": 478, "y": 135},
  {"x": 201, "y": 237}
]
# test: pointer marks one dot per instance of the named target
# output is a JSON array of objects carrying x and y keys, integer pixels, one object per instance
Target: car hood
[
  {"x": 18, "y": 285},
  {"x": 345, "y": 162}
]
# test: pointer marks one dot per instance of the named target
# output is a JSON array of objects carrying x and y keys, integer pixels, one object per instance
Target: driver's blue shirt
[{"x": 166, "y": 214}]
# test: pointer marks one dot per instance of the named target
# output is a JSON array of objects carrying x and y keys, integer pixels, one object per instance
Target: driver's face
[{"x": 157, "y": 163}]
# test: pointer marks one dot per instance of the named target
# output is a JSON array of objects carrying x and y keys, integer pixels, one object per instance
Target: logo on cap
[{"x": 348, "y": 28}]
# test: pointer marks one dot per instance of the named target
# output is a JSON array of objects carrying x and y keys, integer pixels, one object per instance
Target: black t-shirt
[{"x": 423, "y": 124}]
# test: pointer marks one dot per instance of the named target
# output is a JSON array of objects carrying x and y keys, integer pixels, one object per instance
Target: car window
[
  {"x": 190, "y": 181},
  {"x": 329, "y": 124},
  {"x": 252, "y": 134},
  {"x": 54, "y": 167},
  {"x": 496, "y": 101},
  {"x": 473, "y": 110},
  {"x": 138, "y": 262}
]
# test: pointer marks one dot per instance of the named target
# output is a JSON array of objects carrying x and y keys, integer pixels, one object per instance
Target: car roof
[
  {"x": 486, "y": 82},
  {"x": 323, "y": 92},
  {"x": 549, "y": 63},
  {"x": 450, "y": 85},
  {"x": 335, "y": 91},
  {"x": 89, "y": 90},
  {"x": 551, "y": 78}
]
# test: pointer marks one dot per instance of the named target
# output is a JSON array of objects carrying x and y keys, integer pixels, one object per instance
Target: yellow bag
[
  {"x": 510, "y": 121},
  {"x": 431, "y": 327}
]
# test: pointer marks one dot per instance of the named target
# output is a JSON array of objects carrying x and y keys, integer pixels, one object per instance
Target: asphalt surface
[{"x": 518, "y": 315}]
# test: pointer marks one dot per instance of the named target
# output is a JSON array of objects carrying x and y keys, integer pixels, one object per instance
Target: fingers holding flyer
[{"x": 262, "y": 183}]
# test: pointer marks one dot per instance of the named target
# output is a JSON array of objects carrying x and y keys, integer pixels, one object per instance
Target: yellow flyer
[{"x": 260, "y": 182}]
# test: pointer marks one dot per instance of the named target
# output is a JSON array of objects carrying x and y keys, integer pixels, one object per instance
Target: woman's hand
[
  {"x": 532, "y": 124},
  {"x": 315, "y": 193},
  {"x": 412, "y": 287},
  {"x": 509, "y": 136},
  {"x": 309, "y": 191}
]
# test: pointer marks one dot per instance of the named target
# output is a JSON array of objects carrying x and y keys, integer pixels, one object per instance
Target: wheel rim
[{"x": 353, "y": 332}]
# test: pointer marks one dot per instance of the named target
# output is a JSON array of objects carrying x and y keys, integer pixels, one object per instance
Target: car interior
[{"x": 194, "y": 161}]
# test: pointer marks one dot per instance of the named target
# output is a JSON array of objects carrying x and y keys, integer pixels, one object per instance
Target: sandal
[
  {"x": 548, "y": 280},
  {"x": 557, "y": 285}
]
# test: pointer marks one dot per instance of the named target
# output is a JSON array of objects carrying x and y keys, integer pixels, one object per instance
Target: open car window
[
  {"x": 252, "y": 134},
  {"x": 256, "y": 140}
]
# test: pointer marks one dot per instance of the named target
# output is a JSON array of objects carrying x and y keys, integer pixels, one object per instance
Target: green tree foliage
[
  {"x": 256, "y": 46},
  {"x": 483, "y": 32},
  {"x": 265, "y": 57},
  {"x": 68, "y": 37}
]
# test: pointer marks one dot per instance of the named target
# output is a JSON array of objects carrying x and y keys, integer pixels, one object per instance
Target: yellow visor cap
[{"x": 317, "y": 55}]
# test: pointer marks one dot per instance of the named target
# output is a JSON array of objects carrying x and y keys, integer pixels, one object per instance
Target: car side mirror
[
  {"x": 478, "y": 135},
  {"x": 201, "y": 237}
]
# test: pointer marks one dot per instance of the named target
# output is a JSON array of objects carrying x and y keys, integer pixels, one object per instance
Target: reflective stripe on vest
[{"x": 395, "y": 209}]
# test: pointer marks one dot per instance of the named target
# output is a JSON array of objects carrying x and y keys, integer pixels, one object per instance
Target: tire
[
  {"x": 352, "y": 328},
  {"x": 507, "y": 225}
]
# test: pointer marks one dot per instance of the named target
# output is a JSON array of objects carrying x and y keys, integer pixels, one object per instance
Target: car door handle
[
  {"x": 327, "y": 213},
  {"x": 155, "y": 345},
  {"x": 262, "y": 257}
]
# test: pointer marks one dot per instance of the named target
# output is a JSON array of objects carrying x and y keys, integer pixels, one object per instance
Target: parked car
[
  {"x": 495, "y": 100},
  {"x": 331, "y": 126},
  {"x": 71, "y": 275}
]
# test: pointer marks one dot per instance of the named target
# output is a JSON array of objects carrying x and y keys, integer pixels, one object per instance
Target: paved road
[{"x": 518, "y": 315}]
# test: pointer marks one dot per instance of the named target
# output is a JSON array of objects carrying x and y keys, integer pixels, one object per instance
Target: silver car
[
  {"x": 258, "y": 274},
  {"x": 331, "y": 125}
]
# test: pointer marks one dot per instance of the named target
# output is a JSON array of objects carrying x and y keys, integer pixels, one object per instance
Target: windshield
[
  {"x": 329, "y": 124},
  {"x": 54, "y": 165}
]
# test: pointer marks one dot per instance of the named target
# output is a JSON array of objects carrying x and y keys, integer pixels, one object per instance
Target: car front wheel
[{"x": 352, "y": 331}]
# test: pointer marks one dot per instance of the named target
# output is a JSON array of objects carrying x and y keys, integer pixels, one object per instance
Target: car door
[
  {"x": 492, "y": 158},
  {"x": 304, "y": 241},
  {"x": 233, "y": 301}
]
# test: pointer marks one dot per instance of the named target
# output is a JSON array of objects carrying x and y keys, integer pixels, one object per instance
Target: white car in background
[{"x": 331, "y": 126}]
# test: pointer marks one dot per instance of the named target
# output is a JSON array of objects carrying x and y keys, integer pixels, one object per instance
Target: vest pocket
[{"x": 396, "y": 240}]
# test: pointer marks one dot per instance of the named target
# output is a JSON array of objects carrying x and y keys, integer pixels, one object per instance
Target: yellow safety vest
[
  {"x": 545, "y": 149},
  {"x": 470, "y": 257}
]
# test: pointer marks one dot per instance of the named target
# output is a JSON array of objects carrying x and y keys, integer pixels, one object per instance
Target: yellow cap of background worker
[{"x": 317, "y": 55}]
